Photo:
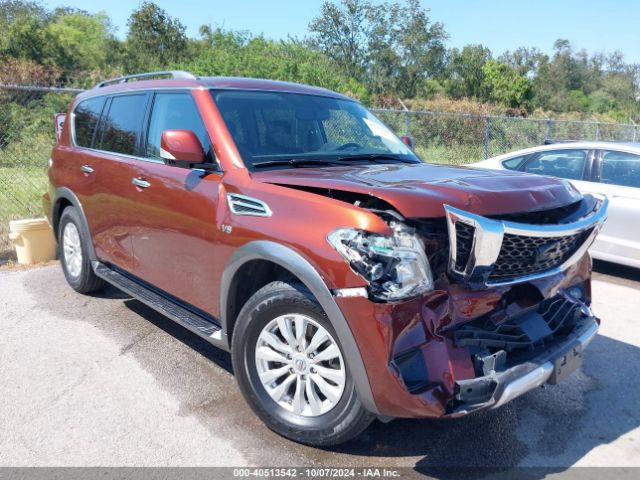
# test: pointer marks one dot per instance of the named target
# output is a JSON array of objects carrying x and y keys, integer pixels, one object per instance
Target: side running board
[{"x": 188, "y": 319}]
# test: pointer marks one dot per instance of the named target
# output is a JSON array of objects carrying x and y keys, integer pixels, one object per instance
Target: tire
[
  {"x": 74, "y": 254},
  {"x": 332, "y": 422}
]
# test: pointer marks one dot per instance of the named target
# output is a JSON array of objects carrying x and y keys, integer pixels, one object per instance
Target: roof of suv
[{"x": 231, "y": 83}]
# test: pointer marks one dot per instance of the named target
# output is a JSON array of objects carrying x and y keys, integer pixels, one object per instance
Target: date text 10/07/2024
[{"x": 317, "y": 472}]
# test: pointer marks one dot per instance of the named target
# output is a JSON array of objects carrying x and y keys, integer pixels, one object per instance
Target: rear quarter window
[
  {"x": 86, "y": 116},
  {"x": 514, "y": 162}
]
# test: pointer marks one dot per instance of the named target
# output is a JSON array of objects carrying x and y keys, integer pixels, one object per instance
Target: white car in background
[{"x": 611, "y": 169}]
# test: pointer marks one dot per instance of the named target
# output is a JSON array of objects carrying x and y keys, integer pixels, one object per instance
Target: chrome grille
[
  {"x": 464, "y": 244},
  {"x": 489, "y": 252},
  {"x": 521, "y": 255}
]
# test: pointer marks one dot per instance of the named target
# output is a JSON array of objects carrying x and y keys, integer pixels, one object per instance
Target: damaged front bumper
[
  {"x": 550, "y": 365},
  {"x": 454, "y": 351}
]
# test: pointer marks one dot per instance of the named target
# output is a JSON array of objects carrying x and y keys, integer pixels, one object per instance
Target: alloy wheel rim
[
  {"x": 72, "y": 249},
  {"x": 300, "y": 365}
]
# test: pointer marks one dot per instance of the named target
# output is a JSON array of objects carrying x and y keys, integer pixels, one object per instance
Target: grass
[
  {"x": 21, "y": 190},
  {"x": 454, "y": 155},
  {"x": 11, "y": 265}
]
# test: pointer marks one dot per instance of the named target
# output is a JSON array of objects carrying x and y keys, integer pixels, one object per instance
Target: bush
[{"x": 237, "y": 54}]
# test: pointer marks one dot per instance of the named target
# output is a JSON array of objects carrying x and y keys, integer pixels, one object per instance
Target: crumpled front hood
[{"x": 421, "y": 190}]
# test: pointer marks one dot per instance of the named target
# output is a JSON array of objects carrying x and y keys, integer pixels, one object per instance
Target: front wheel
[{"x": 291, "y": 369}]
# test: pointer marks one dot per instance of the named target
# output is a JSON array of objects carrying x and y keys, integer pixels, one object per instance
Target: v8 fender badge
[{"x": 226, "y": 229}]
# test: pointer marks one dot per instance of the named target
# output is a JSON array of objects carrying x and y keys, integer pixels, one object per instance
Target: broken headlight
[{"x": 395, "y": 266}]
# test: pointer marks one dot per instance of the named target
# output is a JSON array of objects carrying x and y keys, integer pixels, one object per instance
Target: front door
[{"x": 175, "y": 233}]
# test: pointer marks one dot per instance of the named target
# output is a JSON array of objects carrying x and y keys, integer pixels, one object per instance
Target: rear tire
[
  {"x": 319, "y": 405},
  {"x": 74, "y": 254}
]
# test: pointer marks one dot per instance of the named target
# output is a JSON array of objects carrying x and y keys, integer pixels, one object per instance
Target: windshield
[{"x": 271, "y": 128}]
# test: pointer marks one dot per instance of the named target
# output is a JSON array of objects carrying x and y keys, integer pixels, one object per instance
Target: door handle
[
  {"x": 86, "y": 168},
  {"x": 139, "y": 182}
]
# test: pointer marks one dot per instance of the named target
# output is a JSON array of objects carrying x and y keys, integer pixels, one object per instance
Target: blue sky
[{"x": 594, "y": 25}]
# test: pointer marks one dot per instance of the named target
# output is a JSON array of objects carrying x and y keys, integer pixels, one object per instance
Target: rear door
[
  {"x": 75, "y": 166},
  {"x": 617, "y": 175},
  {"x": 175, "y": 238},
  {"x": 111, "y": 207}
]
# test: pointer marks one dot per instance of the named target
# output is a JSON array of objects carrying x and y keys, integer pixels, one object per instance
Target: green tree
[
  {"x": 81, "y": 40},
  {"x": 560, "y": 74},
  {"x": 228, "y": 53},
  {"x": 390, "y": 47},
  {"x": 502, "y": 84},
  {"x": 601, "y": 101},
  {"x": 420, "y": 43},
  {"x": 577, "y": 101},
  {"x": 23, "y": 31},
  {"x": 382, "y": 61},
  {"x": 341, "y": 32},
  {"x": 155, "y": 39},
  {"x": 465, "y": 76},
  {"x": 525, "y": 60}
]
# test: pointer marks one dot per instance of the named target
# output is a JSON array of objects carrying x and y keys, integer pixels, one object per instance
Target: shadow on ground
[
  {"x": 617, "y": 274},
  {"x": 552, "y": 427},
  {"x": 546, "y": 431},
  {"x": 221, "y": 358}
]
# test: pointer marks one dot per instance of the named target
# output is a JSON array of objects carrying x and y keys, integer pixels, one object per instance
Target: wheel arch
[
  {"x": 288, "y": 260},
  {"x": 66, "y": 198}
]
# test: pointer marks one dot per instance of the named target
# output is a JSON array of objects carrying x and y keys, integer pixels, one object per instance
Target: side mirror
[
  {"x": 181, "y": 146},
  {"x": 408, "y": 141}
]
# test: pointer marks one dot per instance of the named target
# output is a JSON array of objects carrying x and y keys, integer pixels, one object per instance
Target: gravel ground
[{"x": 105, "y": 381}]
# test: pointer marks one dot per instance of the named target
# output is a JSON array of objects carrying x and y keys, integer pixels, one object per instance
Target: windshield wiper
[
  {"x": 294, "y": 162},
  {"x": 374, "y": 157}
]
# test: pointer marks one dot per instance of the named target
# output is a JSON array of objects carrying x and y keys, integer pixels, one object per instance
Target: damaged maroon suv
[{"x": 348, "y": 279}]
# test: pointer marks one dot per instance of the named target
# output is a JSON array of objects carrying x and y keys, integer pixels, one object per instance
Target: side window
[
  {"x": 174, "y": 111},
  {"x": 120, "y": 127},
  {"x": 567, "y": 164},
  {"x": 620, "y": 168},
  {"x": 86, "y": 116},
  {"x": 514, "y": 163}
]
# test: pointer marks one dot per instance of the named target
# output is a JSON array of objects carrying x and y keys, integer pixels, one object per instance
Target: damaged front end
[
  {"x": 505, "y": 308},
  {"x": 541, "y": 345}
]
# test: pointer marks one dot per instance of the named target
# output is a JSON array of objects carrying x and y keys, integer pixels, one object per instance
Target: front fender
[{"x": 295, "y": 263}]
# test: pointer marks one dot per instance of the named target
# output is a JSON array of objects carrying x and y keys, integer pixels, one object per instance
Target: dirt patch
[
  {"x": 7, "y": 256},
  {"x": 8, "y": 262}
]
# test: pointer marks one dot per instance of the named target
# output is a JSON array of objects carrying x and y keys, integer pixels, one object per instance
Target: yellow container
[{"x": 33, "y": 239}]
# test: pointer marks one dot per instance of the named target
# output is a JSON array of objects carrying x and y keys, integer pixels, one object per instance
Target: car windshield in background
[{"x": 275, "y": 129}]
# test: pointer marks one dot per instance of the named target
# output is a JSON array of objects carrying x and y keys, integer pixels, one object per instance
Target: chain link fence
[
  {"x": 458, "y": 138},
  {"x": 27, "y": 135}
]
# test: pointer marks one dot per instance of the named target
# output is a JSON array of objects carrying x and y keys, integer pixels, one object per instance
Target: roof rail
[{"x": 127, "y": 78}]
